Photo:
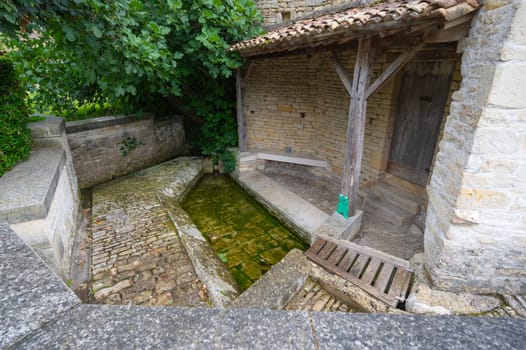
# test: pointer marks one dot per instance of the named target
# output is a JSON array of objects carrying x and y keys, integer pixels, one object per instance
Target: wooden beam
[
  {"x": 356, "y": 123},
  {"x": 241, "y": 125},
  {"x": 246, "y": 72},
  {"x": 452, "y": 34},
  {"x": 393, "y": 68},
  {"x": 241, "y": 76},
  {"x": 342, "y": 73}
]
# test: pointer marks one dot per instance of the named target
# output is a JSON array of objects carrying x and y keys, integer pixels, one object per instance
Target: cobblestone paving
[
  {"x": 137, "y": 256},
  {"x": 312, "y": 297}
]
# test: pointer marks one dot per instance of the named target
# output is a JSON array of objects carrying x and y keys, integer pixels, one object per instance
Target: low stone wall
[
  {"x": 106, "y": 147},
  {"x": 39, "y": 196}
]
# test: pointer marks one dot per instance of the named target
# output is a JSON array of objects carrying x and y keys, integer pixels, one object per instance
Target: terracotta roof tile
[{"x": 348, "y": 24}]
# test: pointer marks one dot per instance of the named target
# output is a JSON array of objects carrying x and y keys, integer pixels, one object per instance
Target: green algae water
[{"x": 240, "y": 230}]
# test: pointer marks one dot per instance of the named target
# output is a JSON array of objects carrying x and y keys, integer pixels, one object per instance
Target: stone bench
[{"x": 248, "y": 160}]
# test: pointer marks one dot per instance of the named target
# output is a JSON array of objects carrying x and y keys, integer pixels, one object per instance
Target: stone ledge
[
  {"x": 338, "y": 227},
  {"x": 297, "y": 213},
  {"x": 50, "y": 127},
  {"x": 278, "y": 286},
  {"x": 221, "y": 285},
  {"x": 41, "y": 312},
  {"x": 26, "y": 191},
  {"x": 30, "y": 293},
  {"x": 295, "y": 158},
  {"x": 102, "y": 122}
]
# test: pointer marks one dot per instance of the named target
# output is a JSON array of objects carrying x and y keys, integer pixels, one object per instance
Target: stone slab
[
  {"x": 122, "y": 327},
  {"x": 31, "y": 295},
  {"x": 278, "y": 286},
  {"x": 221, "y": 285},
  {"x": 26, "y": 191},
  {"x": 49, "y": 127},
  {"x": 338, "y": 227},
  {"x": 377, "y": 331},
  {"x": 294, "y": 158},
  {"x": 290, "y": 206},
  {"x": 101, "y": 122}
]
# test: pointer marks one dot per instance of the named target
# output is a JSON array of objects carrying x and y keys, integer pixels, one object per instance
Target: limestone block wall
[
  {"x": 96, "y": 145},
  {"x": 280, "y": 104},
  {"x": 475, "y": 238},
  {"x": 278, "y": 11},
  {"x": 39, "y": 197}
]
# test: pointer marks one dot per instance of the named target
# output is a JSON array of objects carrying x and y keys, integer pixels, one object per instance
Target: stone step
[
  {"x": 380, "y": 207},
  {"x": 405, "y": 185},
  {"x": 398, "y": 196}
]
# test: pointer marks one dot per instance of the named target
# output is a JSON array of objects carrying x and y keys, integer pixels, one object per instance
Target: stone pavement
[
  {"x": 403, "y": 242},
  {"x": 375, "y": 232},
  {"x": 313, "y": 297},
  {"x": 137, "y": 256},
  {"x": 40, "y": 312},
  {"x": 324, "y": 195}
]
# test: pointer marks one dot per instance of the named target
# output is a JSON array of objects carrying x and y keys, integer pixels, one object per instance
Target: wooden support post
[
  {"x": 393, "y": 68},
  {"x": 342, "y": 73},
  {"x": 356, "y": 123},
  {"x": 241, "y": 123},
  {"x": 241, "y": 126}
]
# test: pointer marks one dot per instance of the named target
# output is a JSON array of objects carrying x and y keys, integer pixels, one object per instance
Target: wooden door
[{"x": 423, "y": 93}]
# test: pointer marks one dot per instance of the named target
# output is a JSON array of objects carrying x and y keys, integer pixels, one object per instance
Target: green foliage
[
  {"x": 15, "y": 137},
  {"x": 229, "y": 161},
  {"x": 92, "y": 57},
  {"x": 129, "y": 52},
  {"x": 222, "y": 257},
  {"x": 129, "y": 144},
  {"x": 215, "y": 104},
  {"x": 24, "y": 15}
]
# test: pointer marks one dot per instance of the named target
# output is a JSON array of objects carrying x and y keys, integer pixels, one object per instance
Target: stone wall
[
  {"x": 299, "y": 102},
  {"x": 279, "y": 11},
  {"x": 475, "y": 235},
  {"x": 97, "y": 145},
  {"x": 39, "y": 196}
]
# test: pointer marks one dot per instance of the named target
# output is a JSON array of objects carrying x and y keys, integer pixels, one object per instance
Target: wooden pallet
[{"x": 383, "y": 276}]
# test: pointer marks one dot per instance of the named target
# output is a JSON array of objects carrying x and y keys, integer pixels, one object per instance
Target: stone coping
[
  {"x": 294, "y": 158},
  {"x": 302, "y": 216},
  {"x": 277, "y": 286},
  {"x": 103, "y": 122},
  {"x": 49, "y": 127},
  {"x": 26, "y": 191},
  {"x": 30, "y": 293},
  {"x": 39, "y": 311}
]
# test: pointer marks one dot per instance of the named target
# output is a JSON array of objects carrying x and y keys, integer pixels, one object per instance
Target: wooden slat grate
[{"x": 383, "y": 276}]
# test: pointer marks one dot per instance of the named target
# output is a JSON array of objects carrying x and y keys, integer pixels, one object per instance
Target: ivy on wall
[{"x": 15, "y": 137}]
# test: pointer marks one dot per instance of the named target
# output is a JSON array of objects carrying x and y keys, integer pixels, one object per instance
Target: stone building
[{"x": 438, "y": 107}]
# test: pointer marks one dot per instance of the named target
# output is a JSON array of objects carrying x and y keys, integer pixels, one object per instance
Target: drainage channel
[{"x": 242, "y": 233}]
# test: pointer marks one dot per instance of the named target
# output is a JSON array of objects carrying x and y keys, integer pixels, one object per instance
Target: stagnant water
[{"x": 244, "y": 235}]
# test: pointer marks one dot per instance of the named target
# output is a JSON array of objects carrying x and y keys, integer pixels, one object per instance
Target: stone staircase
[{"x": 395, "y": 201}]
